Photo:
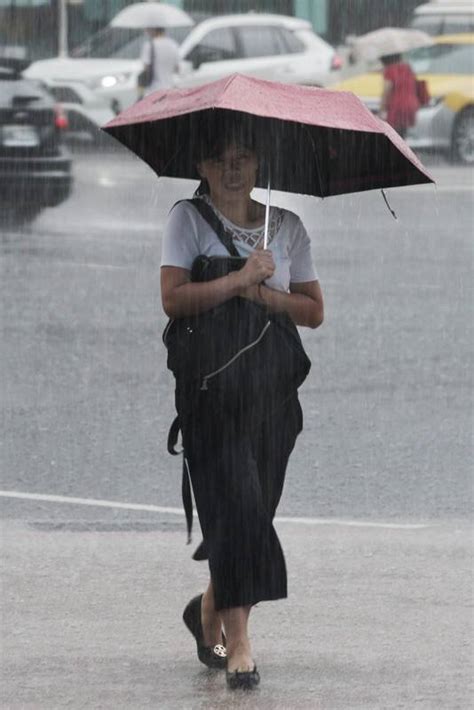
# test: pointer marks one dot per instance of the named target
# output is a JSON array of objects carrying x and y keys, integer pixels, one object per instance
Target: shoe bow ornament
[{"x": 220, "y": 651}]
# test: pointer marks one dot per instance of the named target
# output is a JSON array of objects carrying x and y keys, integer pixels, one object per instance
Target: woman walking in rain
[
  {"x": 237, "y": 457},
  {"x": 400, "y": 101}
]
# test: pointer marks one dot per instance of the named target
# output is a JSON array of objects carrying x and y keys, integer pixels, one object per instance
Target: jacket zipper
[{"x": 208, "y": 377}]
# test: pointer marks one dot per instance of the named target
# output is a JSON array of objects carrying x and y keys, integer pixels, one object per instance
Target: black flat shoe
[
  {"x": 243, "y": 680},
  {"x": 211, "y": 656}
]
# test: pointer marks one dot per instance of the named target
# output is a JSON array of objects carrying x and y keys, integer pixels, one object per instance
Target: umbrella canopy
[
  {"x": 145, "y": 15},
  {"x": 313, "y": 141},
  {"x": 387, "y": 41}
]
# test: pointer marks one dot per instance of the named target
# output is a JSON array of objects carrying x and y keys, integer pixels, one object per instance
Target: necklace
[{"x": 250, "y": 236}]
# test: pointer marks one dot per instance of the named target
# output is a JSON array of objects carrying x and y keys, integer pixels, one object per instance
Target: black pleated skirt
[{"x": 237, "y": 469}]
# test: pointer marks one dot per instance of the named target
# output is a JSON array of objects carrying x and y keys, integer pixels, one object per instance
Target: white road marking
[
  {"x": 90, "y": 501},
  {"x": 352, "y": 523},
  {"x": 93, "y": 265},
  {"x": 178, "y": 511},
  {"x": 449, "y": 188}
]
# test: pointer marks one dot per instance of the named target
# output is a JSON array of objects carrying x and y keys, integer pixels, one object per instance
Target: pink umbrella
[{"x": 315, "y": 141}]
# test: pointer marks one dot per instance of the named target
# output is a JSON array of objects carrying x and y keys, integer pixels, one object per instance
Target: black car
[{"x": 35, "y": 170}]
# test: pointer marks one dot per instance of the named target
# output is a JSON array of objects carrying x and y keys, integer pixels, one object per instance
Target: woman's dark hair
[
  {"x": 202, "y": 188},
  {"x": 391, "y": 59},
  {"x": 217, "y": 135}
]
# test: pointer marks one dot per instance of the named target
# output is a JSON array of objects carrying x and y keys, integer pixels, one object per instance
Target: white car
[{"x": 269, "y": 46}]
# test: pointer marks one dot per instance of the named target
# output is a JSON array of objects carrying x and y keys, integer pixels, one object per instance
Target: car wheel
[{"x": 463, "y": 137}]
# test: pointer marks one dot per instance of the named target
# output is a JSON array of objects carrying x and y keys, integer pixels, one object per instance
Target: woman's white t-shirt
[{"x": 187, "y": 235}]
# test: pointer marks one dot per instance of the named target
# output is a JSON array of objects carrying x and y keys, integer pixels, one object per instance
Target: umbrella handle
[{"x": 267, "y": 216}]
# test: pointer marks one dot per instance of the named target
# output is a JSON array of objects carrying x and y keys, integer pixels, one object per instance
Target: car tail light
[
  {"x": 336, "y": 62},
  {"x": 60, "y": 118}
]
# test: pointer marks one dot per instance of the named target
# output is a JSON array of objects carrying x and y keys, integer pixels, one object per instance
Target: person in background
[
  {"x": 399, "y": 102},
  {"x": 161, "y": 55}
]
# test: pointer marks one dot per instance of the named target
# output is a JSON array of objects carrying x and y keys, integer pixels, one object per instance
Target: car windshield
[
  {"x": 119, "y": 43},
  {"x": 442, "y": 59}
]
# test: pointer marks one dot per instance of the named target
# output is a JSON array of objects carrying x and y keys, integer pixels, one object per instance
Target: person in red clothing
[{"x": 399, "y": 102}]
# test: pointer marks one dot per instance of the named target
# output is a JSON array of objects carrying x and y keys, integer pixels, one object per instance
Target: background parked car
[
  {"x": 447, "y": 122},
  {"x": 35, "y": 170},
  {"x": 264, "y": 45},
  {"x": 444, "y": 17},
  {"x": 268, "y": 46},
  {"x": 86, "y": 110}
]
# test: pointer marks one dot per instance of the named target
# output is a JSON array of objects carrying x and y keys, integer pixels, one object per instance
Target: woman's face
[{"x": 231, "y": 175}]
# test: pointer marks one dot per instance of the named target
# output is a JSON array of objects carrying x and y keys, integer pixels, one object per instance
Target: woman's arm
[
  {"x": 183, "y": 297},
  {"x": 304, "y": 304}
]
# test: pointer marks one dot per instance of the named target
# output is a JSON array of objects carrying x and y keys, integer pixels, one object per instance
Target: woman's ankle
[
  {"x": 239, "y": 656},
  {"x": 211, "y": 620},
  {"x": 208, "y": 599}
]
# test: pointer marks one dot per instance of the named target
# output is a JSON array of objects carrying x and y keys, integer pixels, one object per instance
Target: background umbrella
[
  {"x": 23, "y": 3},
  {"x": 314, "y": 141},
  {"x": 387, "y": 41},
  {"x": 145, "y": 15}
]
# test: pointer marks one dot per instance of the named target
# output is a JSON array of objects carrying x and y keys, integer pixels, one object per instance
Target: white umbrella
[
  {"x": 389, "y": 40},
  {"x": 145, "y": 15},
  {"x": 13, "y": 4}
]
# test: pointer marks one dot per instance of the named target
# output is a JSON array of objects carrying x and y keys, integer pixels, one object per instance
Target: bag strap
[
  {"x": 152, "y": 61},
  {"x": 185, "y": 482},
  {"x": 208, "y": 214},
  {"x": 213, "y": 221}
]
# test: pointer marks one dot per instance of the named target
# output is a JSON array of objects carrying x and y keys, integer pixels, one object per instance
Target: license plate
[{"x": 17, "y": 136}]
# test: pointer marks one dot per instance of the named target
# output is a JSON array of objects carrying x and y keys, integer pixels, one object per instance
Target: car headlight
[{"x": 108, "y": 81}]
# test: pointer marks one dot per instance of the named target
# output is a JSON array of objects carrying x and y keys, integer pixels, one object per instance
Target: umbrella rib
[
  {"x": 166, "y": 166},
  {"x": 316, "y": 160}
]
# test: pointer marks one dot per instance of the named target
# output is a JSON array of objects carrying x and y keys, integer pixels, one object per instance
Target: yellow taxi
[{"x": 446, "y": 123}]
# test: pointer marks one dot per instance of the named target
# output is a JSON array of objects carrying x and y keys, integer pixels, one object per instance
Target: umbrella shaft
[{"x": 267, "y": 216}]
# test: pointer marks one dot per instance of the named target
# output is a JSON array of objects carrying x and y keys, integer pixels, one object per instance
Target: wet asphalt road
[
  {"x": 87, "y": 399},
  {"x": 379, "y": 614},
  {"x": 376, "y": 619}
]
